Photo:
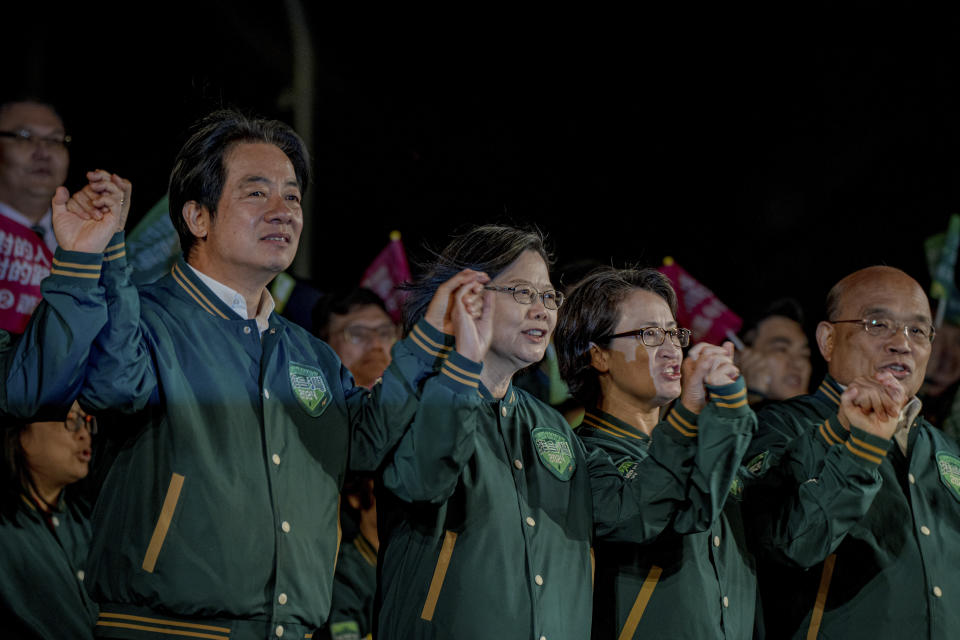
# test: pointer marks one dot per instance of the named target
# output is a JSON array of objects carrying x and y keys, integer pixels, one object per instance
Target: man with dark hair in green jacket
[
  {"x": 873, "y": 553},
  {"x": 219, "y": 515}
]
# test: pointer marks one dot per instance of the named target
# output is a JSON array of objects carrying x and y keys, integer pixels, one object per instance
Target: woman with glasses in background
[
  {"x": 619, "y": 350},
  {"x": 488, "y": 513},
  {"x": 44, "y": 531}
]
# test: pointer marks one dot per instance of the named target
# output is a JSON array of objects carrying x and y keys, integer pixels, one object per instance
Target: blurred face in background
[
  {"x": 34, "y": 159},
  {"x": 363, "y": 338},
  {"x": 785, "y": 352}
]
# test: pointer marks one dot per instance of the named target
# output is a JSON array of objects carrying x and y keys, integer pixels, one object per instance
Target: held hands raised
[
  {"x": 87, "y": 220},
  {"x": 463, "y": 308},
  {"x": 873, "y": 404},
  {"x": 706, "y": 364}
]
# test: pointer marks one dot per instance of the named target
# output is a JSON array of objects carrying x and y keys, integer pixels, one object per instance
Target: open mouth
[
  {"x": 898, "y": 369},
  {"x": 536, "y": 335},
  {"x": 672, "y": 372},
  {"x": 279, "y": 238}
]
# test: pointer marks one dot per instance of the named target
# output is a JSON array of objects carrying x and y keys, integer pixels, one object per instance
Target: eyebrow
[
  {"x": 519, "y": 281},
  {"x": 247, "y": 180}
]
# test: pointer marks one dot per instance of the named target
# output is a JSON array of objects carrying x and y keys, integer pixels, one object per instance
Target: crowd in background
[{"x": 515, "y": 460}]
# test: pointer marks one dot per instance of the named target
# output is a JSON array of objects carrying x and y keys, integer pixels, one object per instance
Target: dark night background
[{"x": 769, "y": 152}]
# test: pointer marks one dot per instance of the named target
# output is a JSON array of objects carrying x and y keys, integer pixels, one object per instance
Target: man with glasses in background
[
  {"x": 870, "y": 488},
  {"x": 359, "y": 329},
  {"x": 33, "y": 163}
]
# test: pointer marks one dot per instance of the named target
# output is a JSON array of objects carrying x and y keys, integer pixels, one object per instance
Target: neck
[
  {"x": 31, "y": 207},
  {"x": 45, "y": 492},
  {"x": 642, "y": 416},
  {"x": 496, "y": 382},
  {"x": 251, "y": 288}
]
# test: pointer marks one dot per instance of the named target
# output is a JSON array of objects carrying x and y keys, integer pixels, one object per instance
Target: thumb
[{"x": 60, "y": 197}]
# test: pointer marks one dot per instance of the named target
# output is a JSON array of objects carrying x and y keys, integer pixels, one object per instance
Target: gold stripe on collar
[
  {"x": 596, "y": 422},
  {"x": 189, "y": 287},
  {"x": 829, "y": 392}
]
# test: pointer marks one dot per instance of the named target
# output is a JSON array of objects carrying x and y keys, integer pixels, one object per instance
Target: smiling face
[
  {"x": 256, "y": 229},
  {"x": 636, "y": 374},
  {"x": 851, "y": 352},
  {"x": 786, "y": 352},
  {"x": 56, "y": 456},
  {"x": 521, "y": 332},
  {"x": 31, "y": 169}
]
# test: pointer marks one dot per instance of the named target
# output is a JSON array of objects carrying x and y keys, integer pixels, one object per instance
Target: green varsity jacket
[
  {"x": 219, "y": 514},
  {"x": 881, "y": 542},
  {"x": 685, "y": 583}
]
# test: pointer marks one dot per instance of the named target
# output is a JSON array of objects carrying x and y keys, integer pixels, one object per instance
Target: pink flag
[
  {"x": 699, "y": 310},
  {"x": 386, "y": 271}
]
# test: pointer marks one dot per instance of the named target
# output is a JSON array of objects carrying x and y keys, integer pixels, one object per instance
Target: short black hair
[
  {"x": 487, "y": 248},
  {"x": 590, "y": 315},
  {"x": 787, "y": 307},
  {"x": 341, "y": 304},
  {"x": 199, "y": 171}
]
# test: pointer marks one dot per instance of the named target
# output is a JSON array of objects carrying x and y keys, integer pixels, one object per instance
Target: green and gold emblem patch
[
  {"x": 736, "y": 488},
  {"x": 949, "y": 467},
  {"x": 555, "y": 451},
  {"x": 628, "y": 469},
  {"x": 309, "y": 387}
]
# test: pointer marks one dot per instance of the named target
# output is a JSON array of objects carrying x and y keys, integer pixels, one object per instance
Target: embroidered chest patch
[
  {"x": 949, "y": 467},
  {"x": 736, "y": 488},
  {"x": 555, "y": 451},
  {"x": 309, "y": 387},
  {"x": 628, "y": 469}
]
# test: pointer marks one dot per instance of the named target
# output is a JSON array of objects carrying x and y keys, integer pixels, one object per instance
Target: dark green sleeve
[
  {"x": 44, "y": 368},
  {"x": 804, "y": 502},
  {"x": 382, "y": 415},
  {"x": 121, "y": 376},
  {"x": 682, "y": 484},
  {"x": 430, "y": 456}
]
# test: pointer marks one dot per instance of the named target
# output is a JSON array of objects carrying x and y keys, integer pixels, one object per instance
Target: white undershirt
[{"x": 238, "y": 303}]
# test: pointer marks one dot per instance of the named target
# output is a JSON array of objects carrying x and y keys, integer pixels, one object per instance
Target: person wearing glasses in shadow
[
  {"x": 868, "y": 489},
  {"x": 357, "y": 326},
  {"x": 45, "y": 529},
  {"x": 620, "y": 351},
  {"x": 487, "y": 515}
]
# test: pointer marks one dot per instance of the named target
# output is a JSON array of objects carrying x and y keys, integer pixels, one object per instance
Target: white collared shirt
[
  {"x": 45, "y": 223},
  {"x": 238, "y": 303}
]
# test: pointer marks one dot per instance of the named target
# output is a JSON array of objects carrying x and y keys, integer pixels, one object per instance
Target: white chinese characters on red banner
[{"x": 24, "y": 262}]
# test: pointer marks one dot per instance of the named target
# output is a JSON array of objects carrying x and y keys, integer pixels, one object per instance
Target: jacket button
[
  {"x": 279, "y": 630},
  {"x": 55, "y": 521},
  {"x": 246, "y": 330},
  {"x": 80, "y": 575},
  {"x": 531, "y": 521},
  {"x": 266, "y": 394},
  {"x": 503, "y": 411},
  {"x": 726, "y": 601},
  {"x": 937, "y": 591},
  {"x": 538, "y": 579},
  {"x": 282, "y": 598},
  {"x": 912, "y": 478},
  {"x": 285, "y": 526},
  {"x": 276, "y": 459},
  {"x": 716, "y": 541},
  {"x": 518, "y": 464},
  {"x": 925, "y": 530}
]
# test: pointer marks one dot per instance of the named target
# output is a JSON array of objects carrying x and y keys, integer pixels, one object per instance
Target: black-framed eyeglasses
[
  {"x": 358, "y": 334},
  {"x": 881, "y": 327},
  {"x": 76, "y": 421},
  {"x": 655, "y": 336},
  {"x": 552, "y": 299},
  {"x": 25, "y": 136}
]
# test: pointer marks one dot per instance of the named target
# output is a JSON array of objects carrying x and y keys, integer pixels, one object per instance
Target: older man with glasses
[
  {"x": 873, "y": 552},
  {"x": 33, "y": 163}
]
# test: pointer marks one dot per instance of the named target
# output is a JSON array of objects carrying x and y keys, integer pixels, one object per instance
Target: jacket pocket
[
  {"x": 640, "y": 604},
  {"x": 816, "y": 616},
  {"x": 439, "y": 573},
  {"x": 163, "y": 522}
]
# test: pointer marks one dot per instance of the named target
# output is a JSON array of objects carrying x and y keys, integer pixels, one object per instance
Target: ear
[
  {"x": 826, "y": 339},
  {"x": 197, "y": 218},
  {"x": 599, "y": 359}
]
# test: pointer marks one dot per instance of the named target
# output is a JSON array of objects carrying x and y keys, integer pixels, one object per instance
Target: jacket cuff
[
  {"x": 731, "y": 398},
  {"x": 867, "y": 449},
  {"x": 76, "y": 268},
  {"x": 115, "y": 255},
  {"x": 460, "y": 374},
  {"x": 430, "y": 345},
  {"x": 683, "y": 421}
]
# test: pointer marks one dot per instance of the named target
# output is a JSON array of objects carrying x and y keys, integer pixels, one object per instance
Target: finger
[
  {"x": 729, "y": 348},
  {"x": 98, "y": 175},
  {"x": 60, "y": 199},
  {"x": 79, "y": 211}
]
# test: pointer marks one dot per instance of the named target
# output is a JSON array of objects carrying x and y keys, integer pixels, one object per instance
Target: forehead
[
  {"x": 367, "y": 314},
  {"x": 642, "y": 307},
  {"x": 29, "y": 115},
  {"x": 895, "y": 294},
  {"x": 529, "y": 267},
  {"x": 260, "y": 159},
  {"x": 778, "y": 328}
]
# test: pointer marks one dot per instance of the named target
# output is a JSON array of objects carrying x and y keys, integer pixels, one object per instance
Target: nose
[
  {"x": 537, "y": 309},
  {"x": 281, "y": 210},
  {"x": 899, "y": 342},
  {"x": 668, "y": 349}
]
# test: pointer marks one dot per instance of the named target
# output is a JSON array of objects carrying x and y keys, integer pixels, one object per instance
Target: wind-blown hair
[
  {"x": 590, "y": 314},
  {"x": 488, "y": 248}
]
